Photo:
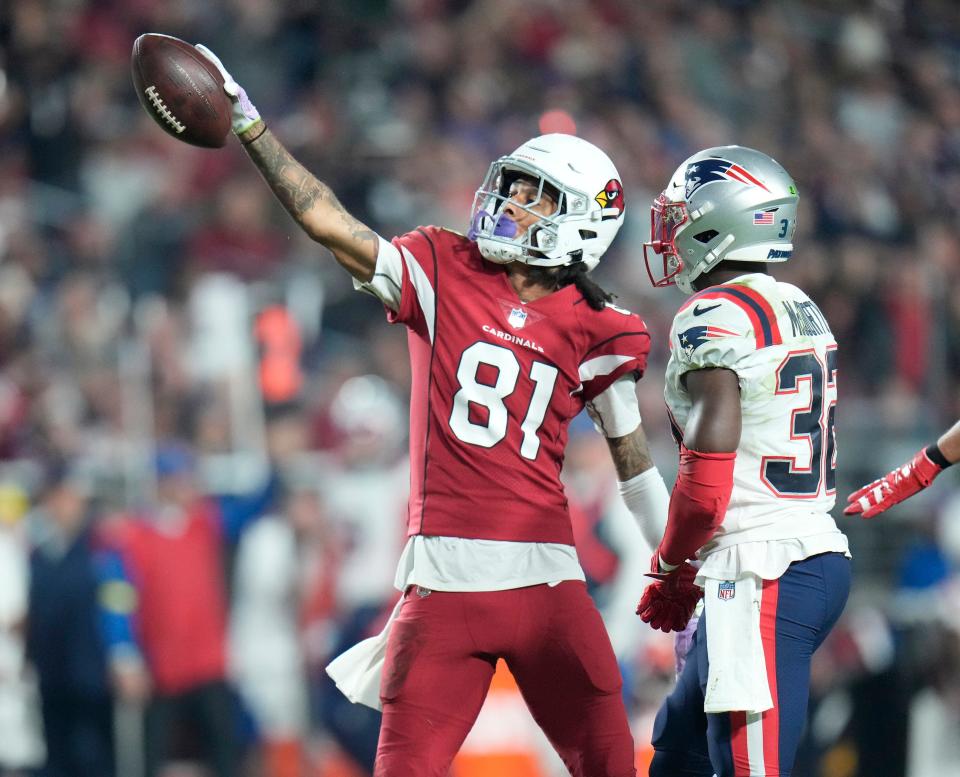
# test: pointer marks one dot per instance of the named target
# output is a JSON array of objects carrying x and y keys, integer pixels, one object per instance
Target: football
[{"x": 181, "y": 90}]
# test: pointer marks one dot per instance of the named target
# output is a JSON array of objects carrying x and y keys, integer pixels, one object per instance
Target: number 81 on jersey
[{"x": 491, "y": 397}]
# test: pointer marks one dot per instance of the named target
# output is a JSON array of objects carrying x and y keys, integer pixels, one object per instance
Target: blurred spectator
[
  {"x": 172, "y": 554},
  {"x": 64, "y": 638},
  {"x": 364, "y": 482},
  {"x": 238, "y": 238},
  {"x": 21, "y": 745},
  {"x": 935, "y": 709},
  {"x": 266, "y": 654}
]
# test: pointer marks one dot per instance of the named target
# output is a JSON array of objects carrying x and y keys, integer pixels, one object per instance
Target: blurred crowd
[{"x": 202, "y": 472}]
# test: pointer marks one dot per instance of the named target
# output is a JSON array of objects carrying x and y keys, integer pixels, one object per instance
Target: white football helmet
[
  {"x": 587, "y": 189},
  {"x": 722, "y": 204}
]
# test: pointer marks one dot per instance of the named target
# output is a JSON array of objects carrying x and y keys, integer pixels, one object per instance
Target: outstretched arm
[
  {"x": 949, "y": 443},
  {"x": 310, "y": 202},
  {"x": 907, "y": 479}
]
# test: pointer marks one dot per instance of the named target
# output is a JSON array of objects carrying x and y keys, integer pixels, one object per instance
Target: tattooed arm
[
  {"x": 310, "y": 201},
  {"x": 631, "y": 454},
  {"x": 312, "y": 204}
]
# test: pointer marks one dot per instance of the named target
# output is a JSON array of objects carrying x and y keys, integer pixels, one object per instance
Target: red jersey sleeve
[
  {"x": 620, "y": 347},
  {"x": 418, "y": 281},
  {"x": 421, "y": 254}
]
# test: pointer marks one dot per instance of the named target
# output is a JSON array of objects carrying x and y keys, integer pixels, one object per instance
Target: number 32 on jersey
[
  {"x": 812, "y": 378},
  {"x": 491, "y": 396}
]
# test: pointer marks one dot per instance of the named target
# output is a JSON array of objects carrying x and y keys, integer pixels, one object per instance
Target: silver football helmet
[
  {"x": 728, "y": 203},
  {"x": 574, "y": 173}
]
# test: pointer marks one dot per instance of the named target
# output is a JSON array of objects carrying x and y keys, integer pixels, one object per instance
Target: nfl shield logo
[
  {"x": 727, "y": 590},
  {"x": 517, "y": 318}
]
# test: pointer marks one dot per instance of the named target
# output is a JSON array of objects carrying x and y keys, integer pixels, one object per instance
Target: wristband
[
  {"x": 935, "y": 455},
  {"x": 263, "y": 129}
]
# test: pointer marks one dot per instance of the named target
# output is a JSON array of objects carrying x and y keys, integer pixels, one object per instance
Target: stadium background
[{"x": 151, "y": 292}]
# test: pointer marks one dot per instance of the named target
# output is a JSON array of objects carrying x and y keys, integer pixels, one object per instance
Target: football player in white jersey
[
  {"x": 903, "y": 482},
  {"x": 751, "y": 387}
]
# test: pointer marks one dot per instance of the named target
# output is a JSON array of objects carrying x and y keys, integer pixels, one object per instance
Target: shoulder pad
[{"x": 738, "y": 310}]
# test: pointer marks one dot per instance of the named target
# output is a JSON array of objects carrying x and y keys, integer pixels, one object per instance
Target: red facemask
[{"x": 666, "y": 217}]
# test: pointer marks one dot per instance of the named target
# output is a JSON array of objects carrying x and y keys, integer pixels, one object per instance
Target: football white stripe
[
  {"x": 421, "y": 285},
  {"x": 755, "y": 744},
  {"x": 601, "y": 365}
]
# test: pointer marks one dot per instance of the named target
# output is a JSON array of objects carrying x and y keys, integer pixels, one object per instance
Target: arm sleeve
[
  {"x": 698, "y": 503},
  {"x": 614, "y": 411},
  {"x": 646, "y": 496},
  {"x": 117, "y": 604}
]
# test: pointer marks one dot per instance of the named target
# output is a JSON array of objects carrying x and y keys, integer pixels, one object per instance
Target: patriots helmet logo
[
  {"x": 611, "y": 198},
  {"x": 692, "y": 338},
  {"x": 713, "y": 169}
]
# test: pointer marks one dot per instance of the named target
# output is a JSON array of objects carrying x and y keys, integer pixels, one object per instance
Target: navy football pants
[{"x": 797, "y": 612}]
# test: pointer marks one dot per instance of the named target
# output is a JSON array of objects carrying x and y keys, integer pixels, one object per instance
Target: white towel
[
  {"x": 357, "y": 671},
  {"x": 738, "y": 673}
]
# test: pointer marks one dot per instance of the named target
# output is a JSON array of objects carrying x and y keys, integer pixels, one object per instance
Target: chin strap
[{"x": 714, "y": 256}]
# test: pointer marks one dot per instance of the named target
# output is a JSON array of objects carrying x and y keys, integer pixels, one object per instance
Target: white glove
[{"x": 245, "y": 114}]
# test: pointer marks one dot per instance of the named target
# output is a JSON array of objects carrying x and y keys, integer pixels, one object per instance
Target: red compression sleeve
[{"x": 697, "y": 504}]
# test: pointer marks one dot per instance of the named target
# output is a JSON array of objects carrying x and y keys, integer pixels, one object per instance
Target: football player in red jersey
[
  {"x": 509, "y": 340},
  {"x": 903, "y": 482}
]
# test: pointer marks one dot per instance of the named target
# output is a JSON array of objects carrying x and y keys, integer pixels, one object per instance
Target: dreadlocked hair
[{"x": 558, "y": 277}]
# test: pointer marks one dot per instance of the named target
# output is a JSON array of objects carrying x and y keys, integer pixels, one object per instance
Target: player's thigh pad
[
  {"x": 797, "y": 612},
  {"x": 434, "y": 683},
  {"x": 567, "y": 672}
]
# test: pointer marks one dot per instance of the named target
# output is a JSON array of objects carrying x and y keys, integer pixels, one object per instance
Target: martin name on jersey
[{"x": 780, "y": 346}]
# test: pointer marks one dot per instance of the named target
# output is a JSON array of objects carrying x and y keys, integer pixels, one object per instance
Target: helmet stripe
[{"x": 742, "y": 174}]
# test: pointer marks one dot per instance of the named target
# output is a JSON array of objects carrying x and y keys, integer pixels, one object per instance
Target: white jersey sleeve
[
  {"x": 614, "y": 411},
  {"x": 713, "y": 333},
  {"x": 387, "y": 278}
]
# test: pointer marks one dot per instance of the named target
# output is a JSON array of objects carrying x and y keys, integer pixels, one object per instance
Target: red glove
[
  {"x": 669, "y": 603},
  {"x": 903, "y": 482}
]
